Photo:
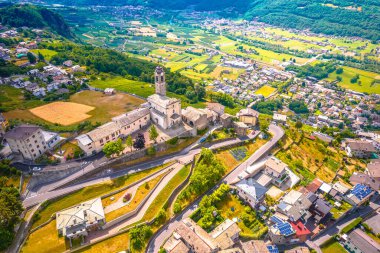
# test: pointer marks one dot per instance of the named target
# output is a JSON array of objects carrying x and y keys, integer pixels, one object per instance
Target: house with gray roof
[{"x": 251, "y": 191}]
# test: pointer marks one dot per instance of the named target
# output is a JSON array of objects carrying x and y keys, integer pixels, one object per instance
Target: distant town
[{"x": 230, "y": 154}]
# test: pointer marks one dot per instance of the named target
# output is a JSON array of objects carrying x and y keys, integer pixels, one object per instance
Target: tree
[
  {"x": 31, "y": 57},
  {"x": 153, "y": 134},
  {"x": 139, "y": 142},
  {"x": 339, "y": 71},
  {"x": 139, "y": 235},
  {"x": 298, "y": 124},
  {"x": 40, "y": 57},
  {"x": 129, "y": 142},
  {"x": 113, "y": 147},
  {"x": 264, "y": 125}
]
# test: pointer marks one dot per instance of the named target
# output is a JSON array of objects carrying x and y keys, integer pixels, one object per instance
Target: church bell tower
[{"x": 159, "y": 80}]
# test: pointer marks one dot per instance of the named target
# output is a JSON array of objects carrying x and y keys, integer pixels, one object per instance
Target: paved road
[
  {"x": 168, "y": 229},
  {"x": 336, "y": 229},
  {"x": 50, "y": 191},
  {"x": 101, "y": 234}
]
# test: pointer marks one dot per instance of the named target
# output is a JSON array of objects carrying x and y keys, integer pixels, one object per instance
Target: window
[
  {"x": 38, "y": 146},
  {"x": 32, "y": 150},
  {"x": 33, "y": 136},
  {"x": 107, "y": 138}
]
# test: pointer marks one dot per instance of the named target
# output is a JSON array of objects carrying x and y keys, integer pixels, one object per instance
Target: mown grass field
[
  {"x": 45, "y": 240},
  {"x": 46, "y": 53},
  {"x": 105, "y": 107},
  {"x": 365, "y": 77},
  {"x": 139, "y": 88},
  {"x": 117, "y": 243}
]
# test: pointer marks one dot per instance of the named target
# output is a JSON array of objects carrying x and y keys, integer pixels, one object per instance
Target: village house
[
  {"x": 250, "y": 191},
  {"x": 280, "y": 232},
  {"x": 216, "y": 107},
  {"x": 195, "y": 118},
  {"x": 279, "y": 118},
  {"x": 30, "y": 141},
  {"x": 276, "y": 169},
  {"x": 109, "y": 91},
  {"x": 359, "y": 195},
  {"x": 190, "y": 237},
  {"x": 359, "y": 241},
  {"x": 248, "y": 116},
  {"x": 257, "y": 246},
  {"x": 359, "y": 149},
  {"x": 295, "y": 205},
  {"x": 79, "y": 220},
  {"x": 241, "y": 129},
  {"x": 226, "y": 120}
]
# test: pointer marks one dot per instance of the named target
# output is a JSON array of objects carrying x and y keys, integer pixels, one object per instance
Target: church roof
[{"x": 162, "y": 101}]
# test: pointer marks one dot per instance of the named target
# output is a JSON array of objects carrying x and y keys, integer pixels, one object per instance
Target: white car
[{"x": 37, "y": 168}]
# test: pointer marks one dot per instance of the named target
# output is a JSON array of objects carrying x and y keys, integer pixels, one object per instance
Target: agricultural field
[
  {"x": 266, "y": 91},
  {"x": 368, "y": 82}
]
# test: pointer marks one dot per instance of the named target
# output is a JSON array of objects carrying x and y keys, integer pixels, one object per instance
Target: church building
[{"x": 165, "y": 111}]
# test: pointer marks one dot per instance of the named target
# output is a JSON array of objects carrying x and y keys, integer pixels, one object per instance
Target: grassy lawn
[
  {"x": 181, "y": 144},
  {"x": 45, "y": 240},
  {"x": 12, "y": 98},
  {"x": 47, "y": 53},
  {"x": 69, "y": 149},
  {"x": 135, "y": 87},
  {"x": 91, "y": 192},
  {"x": 231, "y": 207},
  {"x": 265, "y": 90},
  {"x": 339, "y": 211},
  {"x": 115, "y": 244},
  {"x": 141, "y": 192},
  {"x": 163, "y": 196},
  {"x": 333, "y": 247},
  {"x": 228, "y": 160},
  {"x": 365, "y": 77}
]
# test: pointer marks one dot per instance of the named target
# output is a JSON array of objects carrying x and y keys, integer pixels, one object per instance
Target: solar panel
[
  {"x": 276, "y": 220},
  {"x": 285, "y": 229},
  {"x": 361, "y": 191},
  {"x": 272, "y": 249}
]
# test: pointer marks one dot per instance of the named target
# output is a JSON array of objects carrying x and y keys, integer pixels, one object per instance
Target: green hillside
[
  {"x": 34, "y": 17},
  {"x": 336, "y": 17}
]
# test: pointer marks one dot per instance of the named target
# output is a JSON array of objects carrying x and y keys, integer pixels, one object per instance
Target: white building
[{"x": 30, "y": 141}]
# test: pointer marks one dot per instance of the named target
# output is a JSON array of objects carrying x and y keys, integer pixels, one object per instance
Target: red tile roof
[{"x": 300, "y": 228}]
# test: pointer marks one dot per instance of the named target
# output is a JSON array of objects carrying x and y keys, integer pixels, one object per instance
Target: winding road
[{"x": 161, "y": 235}]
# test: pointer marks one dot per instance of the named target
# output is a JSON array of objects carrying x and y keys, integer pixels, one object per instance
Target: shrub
[{"x": 127, "y": 197}]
